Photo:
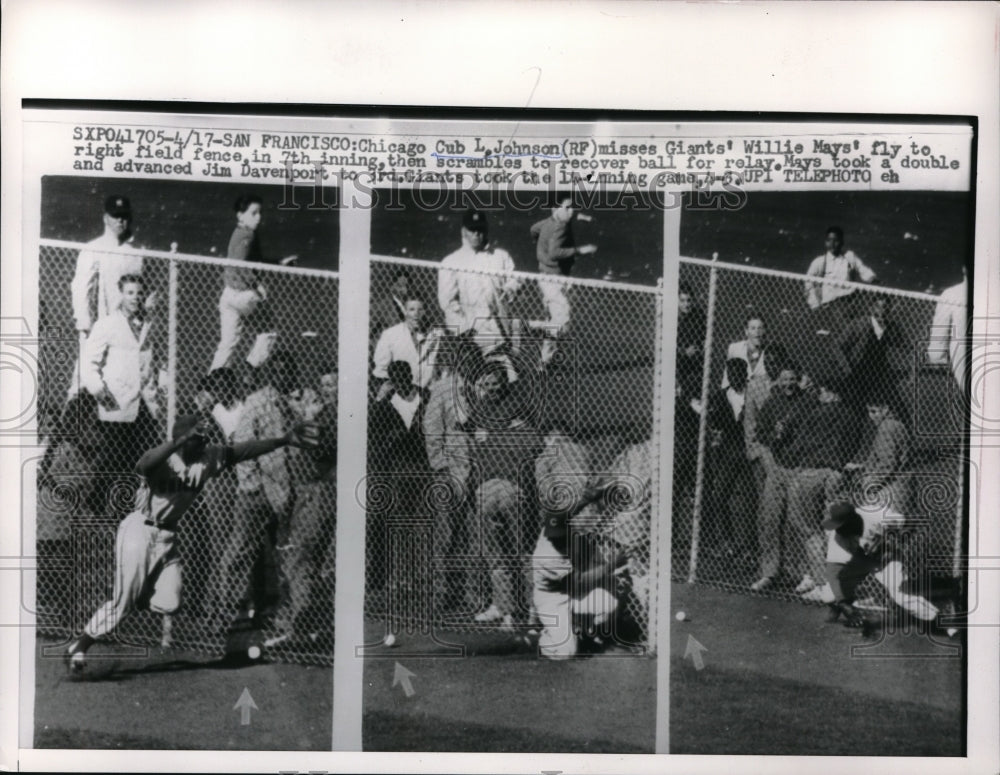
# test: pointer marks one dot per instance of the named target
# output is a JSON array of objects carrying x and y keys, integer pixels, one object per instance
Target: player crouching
[
  {"x": 147, "y": 565},
  {"x": 571, "y": 587},
  {"x": 856, "y": 549}
]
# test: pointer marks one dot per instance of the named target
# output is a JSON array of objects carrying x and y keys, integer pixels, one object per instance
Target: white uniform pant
[
  {"x": 550, "y": 571},
  {"x": 234, "y": 307},
  {"x": 147, "y": 574},
  {"x": 556, "y": 302}
]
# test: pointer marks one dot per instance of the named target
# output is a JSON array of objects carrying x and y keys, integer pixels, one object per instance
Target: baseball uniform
[{"x": 147, "y": 566}]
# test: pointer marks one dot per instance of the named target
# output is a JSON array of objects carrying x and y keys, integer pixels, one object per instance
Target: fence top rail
[
  {"x": 191, "y": 258},
  {"x": 579, "y": 281},
  {"x": 802, "y": 278}
]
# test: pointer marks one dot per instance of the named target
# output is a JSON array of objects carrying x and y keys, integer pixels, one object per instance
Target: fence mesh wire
[
  {"x": 730, "y": 529},
  {"x": 452, "y": 528},
  {"x": 456, "y": 504},
  {"x": 254, "y": 567}
]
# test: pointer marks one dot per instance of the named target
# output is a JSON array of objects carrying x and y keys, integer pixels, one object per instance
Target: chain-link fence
[
  {"x": 249, "y": 348},
  {"x": 525, "y": 388},
  {"x": 833, "y": 391}
]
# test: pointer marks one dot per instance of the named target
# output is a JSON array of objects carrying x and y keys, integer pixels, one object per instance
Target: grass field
[
  {"x": 177, "y": 700},
  {"x": 499, "y": 697},
  {"x": 778, "y": 679}
]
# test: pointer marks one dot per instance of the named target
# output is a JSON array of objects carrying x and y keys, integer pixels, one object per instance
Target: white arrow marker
[
  {"x": 244, "y": 705},
  {"x": 693, "y": 650},
  {"x": 402, "y": 676}
]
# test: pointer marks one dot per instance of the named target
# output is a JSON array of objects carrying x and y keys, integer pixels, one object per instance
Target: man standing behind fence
[
  {"x": 836, "y": 267},
  {"x": 94, "y": 289},
  {"x": 118, "y": 369},
  {"x": 778, "y": 427},
  {"x": 505, "y": 444},
  {"x": 556, "y": 251},
  {"x": 244, "y": 293},
  {"x": 408, "y": 341},
  {"x": 829, "y": 439},
  {"x": 750, "y": 349},
  {"x": 263, "y": 497},
  {"x": 472, "y": 287},
  {"x": 447, "y": 446}
]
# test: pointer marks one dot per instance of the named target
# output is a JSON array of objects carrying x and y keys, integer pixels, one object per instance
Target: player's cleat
[
  {"x": 820, "y": 594},
  {"x": 76, "y": 661},
  {"x": 167, "y": 632},
  {"x": 805, "y": 585},
  {"x": 761, "y": 584},
  {"x": 491, "y": 614}
]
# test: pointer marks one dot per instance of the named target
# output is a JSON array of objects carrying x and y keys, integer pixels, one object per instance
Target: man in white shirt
[
  {"x": 474, "y": 286},
  {"x": 836, "y": 266},
  {"x": 407, "y": 341},
  {"x": 94, "y": 289},
  {"x": 750, "y": 350},
  {"x": 949, "y": 331},
  {"x": 117, "y": 369}
]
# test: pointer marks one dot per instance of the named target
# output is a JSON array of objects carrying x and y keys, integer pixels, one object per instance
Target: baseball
[
  {"x": 680, "y": 616},
  {"x": 253, "y": 652},
  {"x": 390, "y": 640}
]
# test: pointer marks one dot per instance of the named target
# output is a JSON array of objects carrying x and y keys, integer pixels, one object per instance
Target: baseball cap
[
  {"x": 474, "y": 220},
  {"x": 118, "y": 206}
]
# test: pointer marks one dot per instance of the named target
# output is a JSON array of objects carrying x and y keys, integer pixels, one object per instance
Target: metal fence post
[
  {"x": 655, "y": 489},
  {"x": 171, "y": 345},
  {"x": 706, "y": 373}
]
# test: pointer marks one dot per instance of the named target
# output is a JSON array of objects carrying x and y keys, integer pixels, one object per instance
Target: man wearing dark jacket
[{"x": 778, "y": 426}]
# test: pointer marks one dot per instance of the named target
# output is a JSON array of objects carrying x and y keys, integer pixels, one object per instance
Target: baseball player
[
  {"x": 568, "y": 581},
  {"x": 147, "y": 566},
  {"x": 855, "y": 550}
]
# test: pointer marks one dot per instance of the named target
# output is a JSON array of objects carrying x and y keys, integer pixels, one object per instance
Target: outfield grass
[{"x": 779, "y": 679}]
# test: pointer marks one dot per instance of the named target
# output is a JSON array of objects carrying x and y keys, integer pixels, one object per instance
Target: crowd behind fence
[
  {"x": 732, "y": 530},
  {"x": 448, "y": 540},
  {"x": 583, "y": 405}
]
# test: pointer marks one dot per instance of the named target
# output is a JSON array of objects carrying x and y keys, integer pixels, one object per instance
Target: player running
[{"x": 147, "y": 565}]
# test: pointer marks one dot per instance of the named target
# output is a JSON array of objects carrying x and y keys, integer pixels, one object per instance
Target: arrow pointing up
[
  {"x": 693, "y": 650},
  {"x": 402, "y": 676},
  {"x": 244, "y": 705}
]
